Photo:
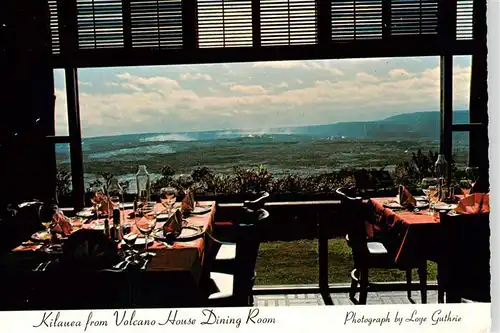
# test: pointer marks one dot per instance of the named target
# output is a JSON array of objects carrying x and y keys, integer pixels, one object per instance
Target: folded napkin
[
  {"x": 405, "y": 198},
  {"x": 62, "y": 224},
  {"x": 474, "y": 204},
  {"x": 188, "y": 202},
  {"x": 173, "y": 225}
]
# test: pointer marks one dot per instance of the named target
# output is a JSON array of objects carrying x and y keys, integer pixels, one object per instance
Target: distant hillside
[
  {"x": 422, "y": 125},
  {"x": 418, "y": 125}
]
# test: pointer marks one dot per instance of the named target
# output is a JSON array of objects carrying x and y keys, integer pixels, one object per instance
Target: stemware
[
  {"x": 46, "y": 214},
  {"x": 426, "y": 182},
  {"x": 433, "y": 198},
  {"x": 465, "y": 186},
  {"x": 146, "y": 225},
  {"x": 97, "y": 198},
  {"x": 168, "y": 196},
  {"x": 472, "y": 174}
]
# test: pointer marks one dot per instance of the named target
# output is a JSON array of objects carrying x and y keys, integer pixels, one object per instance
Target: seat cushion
[
  {"x": 227, "y": 251},
  {"x": 222, "y": 286},
  {"x": 376, "y": 248}
]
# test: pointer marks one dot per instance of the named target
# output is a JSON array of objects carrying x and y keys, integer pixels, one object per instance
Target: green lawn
[{"x": 296, "y": 262}]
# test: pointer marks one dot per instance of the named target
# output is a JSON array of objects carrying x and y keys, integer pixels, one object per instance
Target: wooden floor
[{"x": 384, "y": 297}]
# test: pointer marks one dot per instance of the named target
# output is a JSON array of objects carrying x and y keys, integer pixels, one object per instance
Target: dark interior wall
[{"x": 27, "y": 102}]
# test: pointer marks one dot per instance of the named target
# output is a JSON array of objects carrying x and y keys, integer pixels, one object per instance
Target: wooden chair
[
  {"x": 255, "y": 204},
  {"x": 464, "y": 265},
  {"x": 367, "y": 253},
  {"x": 232, "y": 285}
]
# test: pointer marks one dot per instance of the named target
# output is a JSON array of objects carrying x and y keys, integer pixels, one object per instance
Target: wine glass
[
  {"x": 168, "y": 196},
  {"x": 146, "y": 225},
  {"x": 472, "y": 174},
  {"x": 97, "y": 196},
  {"x": 46, "y": 214},
  {"x": 465, "y": 186},
  {"x": 186, "y": 181}
]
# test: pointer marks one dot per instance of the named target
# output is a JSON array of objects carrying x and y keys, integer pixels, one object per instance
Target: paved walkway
[{"x": 385, "y": 297}]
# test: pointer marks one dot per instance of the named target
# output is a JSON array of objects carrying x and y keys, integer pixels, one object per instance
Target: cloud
[
  {"x": 399, "y": 73},
  {"x": 366, "y": 78},
  {"x": 155, "y": 103},
  {"x": 196, "y": 76},
  {"x": 250, "y": 90}
]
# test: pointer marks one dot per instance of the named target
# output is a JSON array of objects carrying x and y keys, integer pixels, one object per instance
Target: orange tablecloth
[
  {"x": 412, "y": 237},
  {"x": 182, "y": 256}
]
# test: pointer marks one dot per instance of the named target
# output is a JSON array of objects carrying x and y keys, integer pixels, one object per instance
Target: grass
[{"x": 297, "y": 263}]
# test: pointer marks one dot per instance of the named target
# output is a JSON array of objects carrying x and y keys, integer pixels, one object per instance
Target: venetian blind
[
  {"x": 356, "y": 19},
  {"x": 156, "y": 23},
  {"x": 288, "y": 22},
  {"x": 464, "y": 19},
  {"x": 54, "y": 26},
  {"x": 224, "y": 23},
  {"x": 414, "y": 17},
  {"x": 99, "y": 24}
]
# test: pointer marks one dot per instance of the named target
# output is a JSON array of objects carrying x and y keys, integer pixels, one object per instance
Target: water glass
[
  {"x": 146, "y": 224},
  {"x": 168, "y": 197}
]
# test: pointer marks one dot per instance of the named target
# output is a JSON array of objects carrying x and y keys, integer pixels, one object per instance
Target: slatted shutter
[
  {"x": 156, "y": 23},
  {"x": 356, "y": 19},
  {"x": 224, "y": 23},
  {"x": 100, "y": 24},
  {"x": 288, "y": 22},
  {"x": 464, "y": 19},
  {"x": 54, "y": 26},
  {"x": 414, "y": 17}
]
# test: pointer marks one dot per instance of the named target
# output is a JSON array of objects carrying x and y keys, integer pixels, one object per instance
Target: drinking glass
[
  {"x": 472, "y": 174},
  {"x": 433, "y": 198},
  {"x": 146, "y": 225},
  {"x": 46, "y": 214},
  {"x": 465, "y": 186},
  {"x": 186, "y": 181},
  {"x": 96, "y": 198},
  {"x": 168, "y": 196},
  {"x": 129, "y": 238}
]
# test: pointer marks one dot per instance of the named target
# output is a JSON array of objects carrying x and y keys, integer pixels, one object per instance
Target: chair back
[
  {"x": 257, "y": 203},
  {"x": 465, "y": 255},
  {"x": 247, "y": 249},
  {"x": 21, "y": 221},
  {"x": 354, "y": 211}
]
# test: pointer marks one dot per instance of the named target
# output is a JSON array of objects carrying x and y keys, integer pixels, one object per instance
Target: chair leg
[
  {"x": 440, "y": 284},
  {"x": 408, "y": 283},
  {"x": 422, "y": 276},
  {"x": 363, "y": 284},
  {"x": 354, "y": 283}
]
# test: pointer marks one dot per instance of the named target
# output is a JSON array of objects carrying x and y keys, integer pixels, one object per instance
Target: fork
[{"x": 145, "y": 264}]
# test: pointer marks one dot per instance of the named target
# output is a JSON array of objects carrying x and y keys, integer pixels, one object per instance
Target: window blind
[
  {"x": 288, "y": 22},
  {"x": 99, "y": 24},
  {"x": 356, "y": 19},
  {"x": 156, "y": 23},
  {"x": 464, "y": 19},
  {"x": 54, "y": 26},
  {"x": 414, "y": 17},
  {"x": 224, "y": 23}
]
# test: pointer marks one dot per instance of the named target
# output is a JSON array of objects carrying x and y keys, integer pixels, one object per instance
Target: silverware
[
  {"x": 46, "y": 265},
  {"x": 38, "y": 267},
  {"x": 145, "y": 264}
]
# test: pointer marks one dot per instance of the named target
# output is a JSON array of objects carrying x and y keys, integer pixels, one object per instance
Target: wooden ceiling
[{"x": 96, "y": 33}]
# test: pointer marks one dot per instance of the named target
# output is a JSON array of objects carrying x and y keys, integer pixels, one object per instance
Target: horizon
[
  {"x": 260, "y": 130},
  {"x": 244, "y": 96}
]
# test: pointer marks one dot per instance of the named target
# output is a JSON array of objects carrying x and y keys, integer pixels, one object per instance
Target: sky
[{"x": 255, "y": 96}]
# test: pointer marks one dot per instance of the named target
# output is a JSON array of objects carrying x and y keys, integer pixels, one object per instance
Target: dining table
[
  {"x": 412, "y": 236},
  {"x": 174, "y": 272}
]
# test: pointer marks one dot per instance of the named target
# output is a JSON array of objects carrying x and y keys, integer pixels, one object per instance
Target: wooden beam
[
  {"x": 324, "y": 22},
  {"x": 76, "y": 137},
  {"x": 190, "y": 25},
  {"x": 397, "y": 47},
  {"x": 469, "y": 127},
  {"x": 256, "y": 35}
]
